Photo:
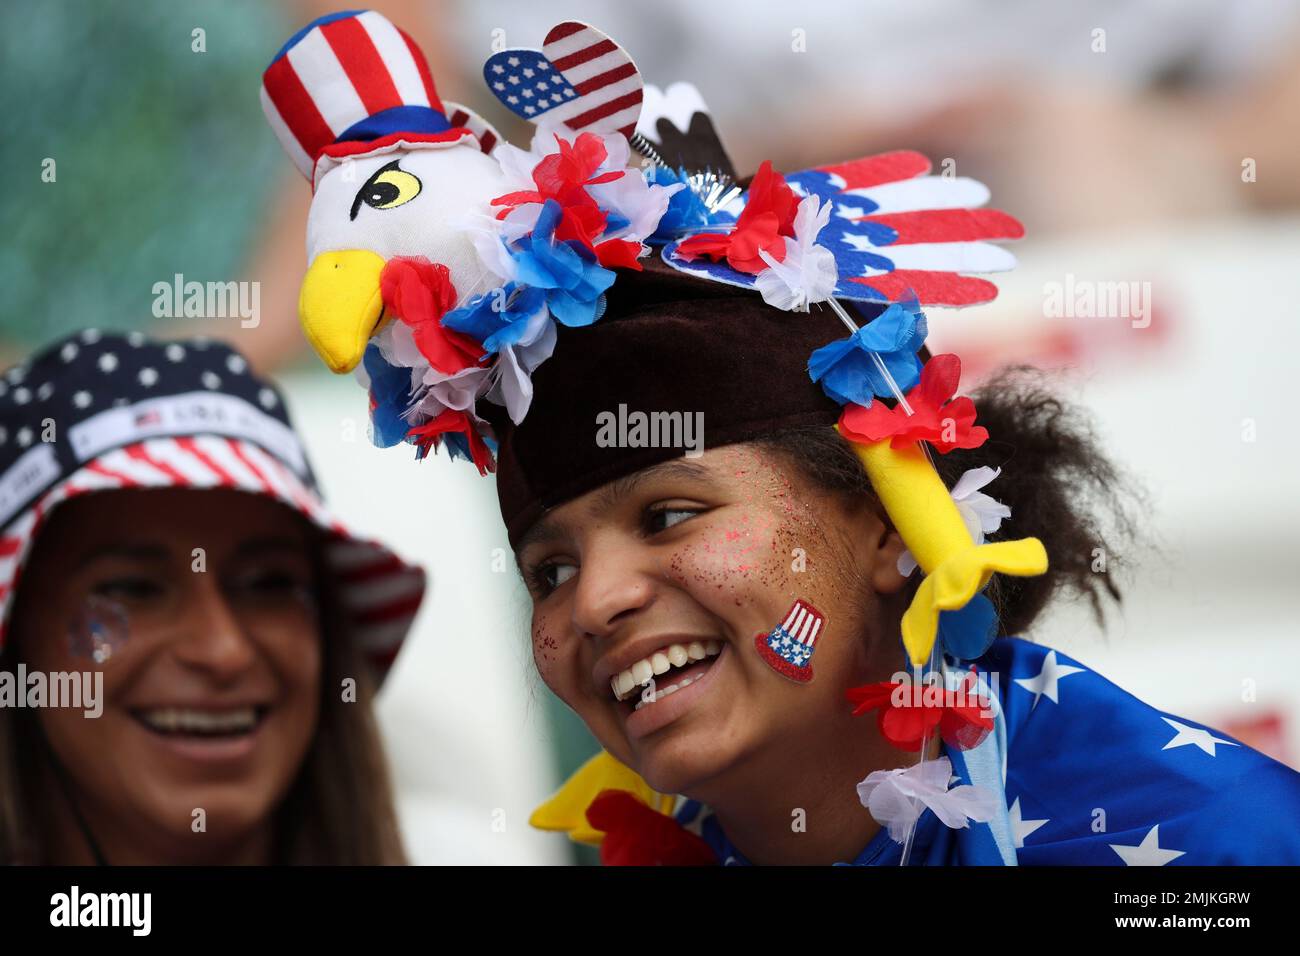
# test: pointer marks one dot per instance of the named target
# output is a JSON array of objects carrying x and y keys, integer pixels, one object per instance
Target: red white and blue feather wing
[{"x": 895, "y": 229}]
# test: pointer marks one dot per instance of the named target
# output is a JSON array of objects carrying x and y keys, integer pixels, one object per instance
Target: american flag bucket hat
[
  {"x": 133, "y": 412},
  {"x": 352, "y": 84}
]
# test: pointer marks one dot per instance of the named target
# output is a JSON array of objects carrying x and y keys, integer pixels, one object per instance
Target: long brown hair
[{"x": 339, "y": 809}]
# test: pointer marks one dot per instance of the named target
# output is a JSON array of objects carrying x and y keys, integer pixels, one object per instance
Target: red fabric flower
[
  {"x": 636, "y": 835},
  {"x": 944, "y": 424},
  {"x": 420, "y": 293},
  {"x": 768, "y": 217},
  {"x": 564, "y": 177},
  {"x": 618, "y": 253},
  {"x": 909, "y": 711},
  {"x": 453, "y": 421}
]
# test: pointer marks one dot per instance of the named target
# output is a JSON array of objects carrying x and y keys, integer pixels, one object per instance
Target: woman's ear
[{"x": 886, "y": 545}]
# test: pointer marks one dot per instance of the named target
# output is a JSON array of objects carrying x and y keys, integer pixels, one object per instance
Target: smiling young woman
[
  {"x": 714, "y": 620},
  {"x": 672, "y": 574},
  {"x": 667, "y": 575},
  {"x": 178, "y": 551}
]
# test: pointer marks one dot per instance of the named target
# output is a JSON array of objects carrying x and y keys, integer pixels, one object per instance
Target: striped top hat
[{"x": 352, "y": 83}]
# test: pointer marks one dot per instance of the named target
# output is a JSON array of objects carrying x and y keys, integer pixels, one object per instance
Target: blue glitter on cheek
[{"x": 99, "y": 629}]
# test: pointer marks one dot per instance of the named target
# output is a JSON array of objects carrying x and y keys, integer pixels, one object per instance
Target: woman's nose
[
  {"x": 615, "y": 582},
  {"x": 212, "y": 637}
]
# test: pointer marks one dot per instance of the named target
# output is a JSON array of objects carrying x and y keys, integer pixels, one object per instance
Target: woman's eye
[
  {"x": 272, "y": 584},
  {"x": 270, "y": 581},
  {"x": 660, "y": 519},
  {"x": 545, "y": 578}
]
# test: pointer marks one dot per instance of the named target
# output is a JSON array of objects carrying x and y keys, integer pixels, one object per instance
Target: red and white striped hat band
[
  {"x": 350, "y": 83},
  {"x": 803, "y": 623},
  {"x": 378, "y": 592}
]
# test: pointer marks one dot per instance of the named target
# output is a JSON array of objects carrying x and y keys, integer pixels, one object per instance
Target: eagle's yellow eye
[{"x": 388, "y": 188}]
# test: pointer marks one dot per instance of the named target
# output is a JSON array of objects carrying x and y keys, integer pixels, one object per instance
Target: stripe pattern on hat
[
  {"x": 378, "y": 592},
  {"x": 348, "y": 76}
]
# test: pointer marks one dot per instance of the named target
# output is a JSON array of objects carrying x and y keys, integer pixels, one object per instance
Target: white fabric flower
[
  {"x": 431, "y": 391},
  {"x": 511, "y": 382},
  {"x": 808, "y": 273},
  {"x": 897, "y": 797},
  {"x": 981, "y": 514}
]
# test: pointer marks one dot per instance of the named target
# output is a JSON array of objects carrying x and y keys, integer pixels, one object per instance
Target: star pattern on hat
[
  {"x": 1147, "y": 853},
  {"x": 1045, "y": 684},
  {"x": 77, "y": 378},
  {"x": 788, "y": 648},
  {"x": 1195, "y": 737}
]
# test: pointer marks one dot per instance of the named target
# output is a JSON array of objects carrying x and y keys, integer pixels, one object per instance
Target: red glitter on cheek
[{"x": 545, "y": 646}]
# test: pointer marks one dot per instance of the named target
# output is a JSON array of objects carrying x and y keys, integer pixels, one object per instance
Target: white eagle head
[
  {"x": 403, "y": 202},
  {"x": 394, "y": 170}
]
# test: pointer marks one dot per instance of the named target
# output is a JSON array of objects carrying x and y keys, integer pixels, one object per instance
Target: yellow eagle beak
[{"x": 340, "y": 305}]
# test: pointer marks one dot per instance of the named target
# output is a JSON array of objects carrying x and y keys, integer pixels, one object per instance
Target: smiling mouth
[
  {"x": 194, "y": 723},
  {"x": 663, "y": 673}
]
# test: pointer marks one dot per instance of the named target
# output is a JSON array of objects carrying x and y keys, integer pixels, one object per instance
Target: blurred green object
[{"x": 163, "y": 161}]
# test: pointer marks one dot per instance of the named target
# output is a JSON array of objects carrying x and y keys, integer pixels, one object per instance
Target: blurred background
[{"x": 1151, "y": 148}]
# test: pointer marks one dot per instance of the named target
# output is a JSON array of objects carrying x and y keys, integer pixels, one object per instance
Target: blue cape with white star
[{"x": 1092, "y": 776}]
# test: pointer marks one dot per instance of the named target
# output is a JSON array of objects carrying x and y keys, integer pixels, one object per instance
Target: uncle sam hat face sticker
[{"x": 788, "y": 647}]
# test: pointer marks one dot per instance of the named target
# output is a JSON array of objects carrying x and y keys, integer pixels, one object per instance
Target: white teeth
[
  {"x": 661, "y": 662},
  {"x": 201, "y": 721},
  {"x": 670, "y": 689}
]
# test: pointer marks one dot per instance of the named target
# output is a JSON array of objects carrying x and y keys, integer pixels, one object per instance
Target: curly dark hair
[{"x": 1059, "y": 484}]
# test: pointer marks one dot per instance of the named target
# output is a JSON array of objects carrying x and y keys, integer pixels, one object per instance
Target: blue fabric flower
[
  {"x": 846, "y": 370},
  {"x": 686, "y": 210},
  {"x": 498, "y": 319},
  {"x": 968, "y": 632},
  {"x": 574, "y": 282},
  {"x": 457, "y": 445},
  {"x": 614, "y": 222},
  {"x": 390, "y": 390}
]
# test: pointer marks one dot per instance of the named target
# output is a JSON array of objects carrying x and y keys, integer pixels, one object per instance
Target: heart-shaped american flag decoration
[{"x": 580, "y": 78}]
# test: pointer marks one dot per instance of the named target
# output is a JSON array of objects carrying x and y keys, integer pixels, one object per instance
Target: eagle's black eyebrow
[{"x": 356, "y": 202}]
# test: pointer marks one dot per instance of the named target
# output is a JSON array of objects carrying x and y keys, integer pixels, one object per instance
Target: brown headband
[{"x": 668, "y": 342}]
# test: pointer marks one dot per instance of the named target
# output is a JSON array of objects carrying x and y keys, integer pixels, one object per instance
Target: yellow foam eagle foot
[
  {"x": 925, "y": 516},
  {"x": 566, "y": 811},
  {"x": 958, "y": 579}
]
